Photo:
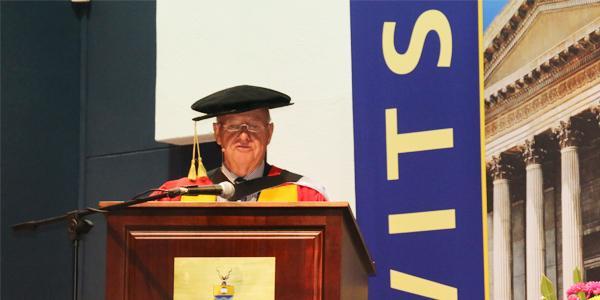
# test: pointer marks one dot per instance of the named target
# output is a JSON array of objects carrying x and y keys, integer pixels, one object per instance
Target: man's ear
[
  {"x": 270, "y": 129},
  {"x": 217, "y": 133}
]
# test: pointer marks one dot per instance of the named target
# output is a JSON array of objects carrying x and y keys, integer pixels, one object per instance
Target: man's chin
[
  {"x": 242, "y": 165},
  {"x": 243, "y": 158}
]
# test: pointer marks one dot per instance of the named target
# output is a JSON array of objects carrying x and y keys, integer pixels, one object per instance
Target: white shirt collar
[{"x": 258, "y": 172}]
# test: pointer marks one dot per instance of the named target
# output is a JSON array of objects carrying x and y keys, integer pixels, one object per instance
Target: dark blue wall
[
  {"x": 77, "y": 122},
  {"x": 40, "y": 144}
]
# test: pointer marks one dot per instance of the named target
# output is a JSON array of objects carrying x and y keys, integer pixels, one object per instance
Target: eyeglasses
[{"x": 254, "y": 128}]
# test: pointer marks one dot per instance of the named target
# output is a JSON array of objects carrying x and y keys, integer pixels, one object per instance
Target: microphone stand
[{"x": 77, "y": 226}]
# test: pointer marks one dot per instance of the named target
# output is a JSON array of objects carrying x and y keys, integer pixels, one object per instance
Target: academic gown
[{"x": 298, "y": 188}]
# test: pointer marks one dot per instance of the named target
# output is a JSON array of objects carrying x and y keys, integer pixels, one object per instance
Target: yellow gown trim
[
  {"x": 282, "y": 193},
  {"x": 199, "y": 198}
]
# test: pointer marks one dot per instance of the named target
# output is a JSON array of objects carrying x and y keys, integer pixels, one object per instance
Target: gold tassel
[
  {"x": 201, "y": 170},
  {"x": 192, "y": 174}
]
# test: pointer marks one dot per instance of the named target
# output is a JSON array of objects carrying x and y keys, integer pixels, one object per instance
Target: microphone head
[{"x": 228, "y": 189}]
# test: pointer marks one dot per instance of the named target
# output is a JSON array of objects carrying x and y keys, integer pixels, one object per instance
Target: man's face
[{"x": 243, "y": 139}]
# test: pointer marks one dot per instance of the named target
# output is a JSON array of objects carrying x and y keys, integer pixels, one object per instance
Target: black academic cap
[{"x": 239, "y": 99}]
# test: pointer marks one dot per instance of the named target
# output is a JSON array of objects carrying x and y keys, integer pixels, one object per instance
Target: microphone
[{"x": 224, "y": 189}]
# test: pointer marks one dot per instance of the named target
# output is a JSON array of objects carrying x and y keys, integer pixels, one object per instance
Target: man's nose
[{"x": 244, "y": 134}]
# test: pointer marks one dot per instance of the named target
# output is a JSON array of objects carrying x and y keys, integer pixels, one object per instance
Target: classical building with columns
[{"x": 542, "y": 126}]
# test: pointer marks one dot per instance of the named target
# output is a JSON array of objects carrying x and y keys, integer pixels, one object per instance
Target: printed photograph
[{"x": 542, "y": 114}]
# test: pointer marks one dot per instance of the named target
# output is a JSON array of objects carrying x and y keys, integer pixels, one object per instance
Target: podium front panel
[
  {"x": 306, "y": 243},
  {"x": 151, "y": 258}
]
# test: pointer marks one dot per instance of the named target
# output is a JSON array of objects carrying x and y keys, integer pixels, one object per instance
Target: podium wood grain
[{"x": 318, "y": 250}]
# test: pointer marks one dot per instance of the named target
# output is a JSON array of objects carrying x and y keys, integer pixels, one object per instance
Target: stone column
[
  {"x": 534, "y": 218},
  {"x": 596, "y": 111},
  {"x": 502, "y": 276},
  {"x": 569, "y": 138}
]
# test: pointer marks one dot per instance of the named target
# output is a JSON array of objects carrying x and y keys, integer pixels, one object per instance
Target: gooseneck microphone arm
[
  {"x": 33, "y": 225},
  {"x": 224, "y": 189},
  {"x": 78, "y": 226}
]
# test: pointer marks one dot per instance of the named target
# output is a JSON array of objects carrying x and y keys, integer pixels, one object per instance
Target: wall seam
[
  {"x": 1, "y": 230},
  {"x": 133, "y": 152},
  {"x": 83, "y": 95}
]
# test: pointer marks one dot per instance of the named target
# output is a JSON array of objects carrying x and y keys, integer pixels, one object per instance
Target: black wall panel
[
  {"x": 40, "y": 70},
  {"x": 121, "y": 59},
  {"x": 77, "y": 127}
]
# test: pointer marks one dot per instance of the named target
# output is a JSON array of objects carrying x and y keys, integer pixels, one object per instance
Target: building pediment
[
  {"x": 541, "y": 65},
  {"x": 541, "y": 35}
]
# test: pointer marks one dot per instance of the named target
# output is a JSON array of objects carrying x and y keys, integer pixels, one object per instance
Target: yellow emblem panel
[{"x": 224, "y": 278}]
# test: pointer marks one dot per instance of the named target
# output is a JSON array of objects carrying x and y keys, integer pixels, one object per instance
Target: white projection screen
[{"x": 301, "y": 48}]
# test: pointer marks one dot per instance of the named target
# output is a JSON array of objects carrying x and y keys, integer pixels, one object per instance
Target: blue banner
[{"x": 418, "y": 150}]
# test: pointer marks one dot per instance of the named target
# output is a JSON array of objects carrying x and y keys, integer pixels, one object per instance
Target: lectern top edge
[{"x": 165, "y": 204}]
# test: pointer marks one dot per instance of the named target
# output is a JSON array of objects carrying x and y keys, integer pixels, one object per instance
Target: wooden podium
[{"x": 319, "y": 252}]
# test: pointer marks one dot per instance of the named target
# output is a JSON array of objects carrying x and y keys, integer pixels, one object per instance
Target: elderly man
[{"x": 243, "y": 130}]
